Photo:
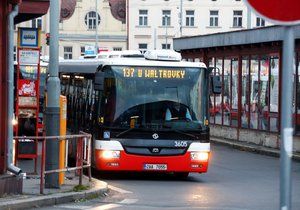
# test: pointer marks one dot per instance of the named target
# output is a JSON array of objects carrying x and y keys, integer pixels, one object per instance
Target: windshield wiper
[
  {"x": 184, "y": 133},
  {"x": 124, "y": 132},
  {"x": 180, "y": 131},
  {"x": 144, "y": 127}
]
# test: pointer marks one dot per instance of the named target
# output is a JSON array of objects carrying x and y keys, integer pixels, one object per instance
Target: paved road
[{"x": 236, "y": 180}]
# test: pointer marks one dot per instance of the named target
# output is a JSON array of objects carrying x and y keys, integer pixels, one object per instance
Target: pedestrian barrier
[{"x": 82, "y": 154}]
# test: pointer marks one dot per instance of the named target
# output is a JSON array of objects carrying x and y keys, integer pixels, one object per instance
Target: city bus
[{"x": 145, "y": 114}]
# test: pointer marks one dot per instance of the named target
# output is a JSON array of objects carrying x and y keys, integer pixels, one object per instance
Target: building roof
[{"x": 241, "y": 37}]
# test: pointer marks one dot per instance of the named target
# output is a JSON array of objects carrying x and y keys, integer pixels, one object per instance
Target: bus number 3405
[{"x": 181, "y": 144}]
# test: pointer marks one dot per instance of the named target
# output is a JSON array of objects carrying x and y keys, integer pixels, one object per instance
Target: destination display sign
[{"x": 159, "y": 73}]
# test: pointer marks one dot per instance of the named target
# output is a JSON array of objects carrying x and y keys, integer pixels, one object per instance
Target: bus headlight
[
  {"x": 199, "y": 156},
  {"x": 108, "y": 154}
]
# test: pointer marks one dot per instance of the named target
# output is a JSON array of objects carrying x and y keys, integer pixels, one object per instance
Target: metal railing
[{"x": 82, "y": 142}]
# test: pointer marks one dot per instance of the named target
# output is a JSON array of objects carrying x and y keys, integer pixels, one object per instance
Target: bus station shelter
[
  {"x": 28, "y": 9},
  {"x": 250, "y": 65}
]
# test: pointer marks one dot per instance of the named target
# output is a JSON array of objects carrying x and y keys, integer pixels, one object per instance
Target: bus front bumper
[{"x": 121, "y": 161}]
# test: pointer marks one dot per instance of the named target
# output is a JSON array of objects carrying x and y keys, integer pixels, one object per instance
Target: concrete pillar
[{"x": 3, "y": 83}]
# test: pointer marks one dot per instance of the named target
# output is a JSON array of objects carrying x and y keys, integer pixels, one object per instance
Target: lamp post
[
  {"x": 97, "y": 20},
  {"x": 52, "y": 106}
]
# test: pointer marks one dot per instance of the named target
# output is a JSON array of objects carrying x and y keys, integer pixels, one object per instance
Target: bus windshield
[{"x": 154, "y": 97}]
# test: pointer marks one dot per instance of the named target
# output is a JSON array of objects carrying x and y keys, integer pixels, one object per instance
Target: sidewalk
[
  {"x": 67, "y": 193},
  {"x": 251, "y": 147}
]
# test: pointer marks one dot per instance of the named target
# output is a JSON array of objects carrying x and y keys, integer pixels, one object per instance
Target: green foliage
[{"x": 79, "y": 188}]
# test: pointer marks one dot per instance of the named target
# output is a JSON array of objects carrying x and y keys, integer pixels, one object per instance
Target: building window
[
  {"x": 117, "y": 49},
  {"x": 143, "y": 47},
  {"x": 166, "y": 46},
  {"x": 82, "y": 51},
  {"x": 190, "y": 18},
  {"x": 166, "y": 17},
  {"x": 91, "y": 19},
  {"x": 143, "y": 17},
  {"x": 260, "y": 22},
  {"x": 68, "y": 52},
  {"x": 36, "y": 23},
  {"x": 214, "y": 18},
  {"x": 237, "y": 18}
]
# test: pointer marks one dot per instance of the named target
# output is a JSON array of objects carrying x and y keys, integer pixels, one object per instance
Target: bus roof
[
  {"x": 90, "y": 66},
  {"x": 115, "y": 54},
  {"x": 87, "y": 66},
  {"x": 152, "y": 63}
]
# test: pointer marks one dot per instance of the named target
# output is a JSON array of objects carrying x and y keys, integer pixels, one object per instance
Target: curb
[
  {"x": 252, "y": 148},
  {"x": 54, "y": 199}
]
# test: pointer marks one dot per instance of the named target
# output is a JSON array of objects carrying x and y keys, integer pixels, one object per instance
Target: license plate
[{"x": 158, "y": 167}]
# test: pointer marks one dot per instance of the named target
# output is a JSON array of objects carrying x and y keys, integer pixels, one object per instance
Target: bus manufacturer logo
[
  {"x": 155, "y": 150},
  {"x": 155, "y": 136}
]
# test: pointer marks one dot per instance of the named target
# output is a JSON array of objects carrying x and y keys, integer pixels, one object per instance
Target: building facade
[
  {"x": 80, "y": 28},
  {"x": 250, "y": 65},
  {"x": 154, "y": 23}
]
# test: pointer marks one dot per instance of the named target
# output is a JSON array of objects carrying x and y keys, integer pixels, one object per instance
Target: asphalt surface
[{"x": 236, "y": 180}]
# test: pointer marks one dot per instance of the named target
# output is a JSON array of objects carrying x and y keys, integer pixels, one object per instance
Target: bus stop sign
[{"x": 285, "y": 12}]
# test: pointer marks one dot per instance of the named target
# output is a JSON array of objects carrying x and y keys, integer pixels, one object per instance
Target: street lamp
[{"x": 96, "y": 44}]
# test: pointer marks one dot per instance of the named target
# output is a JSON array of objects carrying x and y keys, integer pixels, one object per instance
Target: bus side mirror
[
  {"x": 99, "y": 81},
  {"x": 216, "y": 84}
]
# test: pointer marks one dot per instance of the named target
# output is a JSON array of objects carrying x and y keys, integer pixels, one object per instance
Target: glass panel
[
  {"x": 274, "y": 93},
  {"x": 240, "y": 22},
  {"x": 148, "y": 98},
  {"x": 263, "y": 107},
  {"x": 254, "y": 93},
  {"x": 234, "y": 94},
  {"x": 245, "y": 93},
  {"x": 214, "y": 12},
  {"x": 218, "y": 115},
  {"x": 211, "y": 22},
  {"x": 226, "y": 92},
  {"x": 212, "y": 111}
]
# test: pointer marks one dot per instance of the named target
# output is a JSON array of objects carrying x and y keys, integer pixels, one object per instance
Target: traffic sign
[
  {"x": 285, "y": 12},
  {"x": 29, "y": 37},
  {"x": 90, "y": 50}
]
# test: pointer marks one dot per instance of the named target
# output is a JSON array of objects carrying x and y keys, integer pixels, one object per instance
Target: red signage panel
[
  {"x": 27, "y": 87},
  {"x": 280, "y": 11}
]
